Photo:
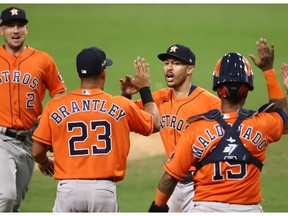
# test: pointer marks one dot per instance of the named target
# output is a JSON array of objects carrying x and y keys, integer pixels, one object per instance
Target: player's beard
[
  {"x": 177, "y": 82},
  {"x": 17, "y": 47}
]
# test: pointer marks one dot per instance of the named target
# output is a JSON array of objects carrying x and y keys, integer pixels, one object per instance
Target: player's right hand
[
  {"x": 266, "y": 55},
  {"x": 142, "y": 73},
  {"x": 47, "y": 168}
]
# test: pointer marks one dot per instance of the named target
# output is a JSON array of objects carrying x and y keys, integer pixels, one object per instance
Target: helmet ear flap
[
  {"x": 222, "y": 91},
  {"x": 243, "y": 91},
  {"x": 236, "y": 89}
]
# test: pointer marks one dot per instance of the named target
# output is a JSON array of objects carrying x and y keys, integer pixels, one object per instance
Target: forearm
[
  {"x": 150, "y": 106},
  {"x": 166, "y": 187},
  {"x": 39, "y": 152},
  {"x": 153, "y": 110},
  {"x": 274, "y": 89},
  {"x": 275, "y": 92}
]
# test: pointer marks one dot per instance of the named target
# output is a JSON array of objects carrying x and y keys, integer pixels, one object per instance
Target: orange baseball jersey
[
  {"x": 89, "y": 132},
  {"x": 228, "y": 182},
  {"x": 174, "y": 112},
  {"x": 23, "y": 82}
]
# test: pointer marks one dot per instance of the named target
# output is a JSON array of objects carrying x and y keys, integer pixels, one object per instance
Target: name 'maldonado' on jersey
[
  {"x": 89, "y": 132},
  {"x": 234, "y": 183}
]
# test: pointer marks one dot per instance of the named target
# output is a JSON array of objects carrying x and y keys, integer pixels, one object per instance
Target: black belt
[
  {"x": 107, "y": 179},
  {"x": 19, "y": 135},
  {"x": 187, "y": 179}
]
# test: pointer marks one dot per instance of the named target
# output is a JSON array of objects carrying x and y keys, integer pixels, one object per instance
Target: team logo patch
[{"x": 230, "y": 147}]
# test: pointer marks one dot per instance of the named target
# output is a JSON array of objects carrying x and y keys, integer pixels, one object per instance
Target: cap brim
[
  {"x": 164, "y": 56},
  {"x": 109, "y": 62},
  {"x": 5, "y": 22}
]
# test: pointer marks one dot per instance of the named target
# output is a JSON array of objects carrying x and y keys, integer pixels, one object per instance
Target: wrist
[
  {"x": 268, "y": 71},
  {"x": 161, "y": 198},
  {"x": 266, "y": 68},
  {"x": 146, "y": 95},
  {"x": 43, "y": 161},
  {"x": 126, "y": 95}
]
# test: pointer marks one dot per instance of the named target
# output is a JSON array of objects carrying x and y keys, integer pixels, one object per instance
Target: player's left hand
[
  {"x": 127, "y": 85},
  {"x": 266, "y": 55}
]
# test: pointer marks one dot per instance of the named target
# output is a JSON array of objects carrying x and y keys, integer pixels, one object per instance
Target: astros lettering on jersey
[
  {"x": 174, "y": 112},
  {"x": 22, "y": 88}
]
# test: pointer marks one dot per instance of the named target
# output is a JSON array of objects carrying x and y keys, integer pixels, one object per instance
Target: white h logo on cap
[
  {"x": 14, "y": 11},
  {"x": 173, "y": 48}
]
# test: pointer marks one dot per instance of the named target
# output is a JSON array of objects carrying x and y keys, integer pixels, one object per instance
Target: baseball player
[
  {"x": 229, "y": 146},
  {"x": 25, "y": 73},
  {"x": 89, "y": 132},
  {"x": 176, "y": 104}
]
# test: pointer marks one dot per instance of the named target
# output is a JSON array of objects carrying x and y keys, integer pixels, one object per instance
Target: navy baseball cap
[
  {"x": 92, "y": 61},
  {"x": 13, "y": 13},
  {"x": 179, "y": 51}
]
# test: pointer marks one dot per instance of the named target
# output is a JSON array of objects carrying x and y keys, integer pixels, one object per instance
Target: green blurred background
[{"x": 125, "y": 31}]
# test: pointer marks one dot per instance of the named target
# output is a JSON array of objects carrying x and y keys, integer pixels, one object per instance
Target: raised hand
[
  {"x": 127, "y": 85},
  {"x": 266, "y": 55},
  {"x": 142, "y": 73},
  {"x": 284, "y": 72}
]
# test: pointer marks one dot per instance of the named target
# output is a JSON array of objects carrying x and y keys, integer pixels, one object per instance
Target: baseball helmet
[{"x": 233, "y": 75}]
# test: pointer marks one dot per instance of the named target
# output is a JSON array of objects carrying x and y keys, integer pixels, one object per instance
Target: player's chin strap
[{"x": 230, "y": 148}]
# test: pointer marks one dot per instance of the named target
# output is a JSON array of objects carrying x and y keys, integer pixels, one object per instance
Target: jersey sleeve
[
  {"x": 158, "y": 96},
  {"x": 182, "y": 158},
  {"x": 140, "y": 121},
  {"x": 272, "y": 125},
  {"x": 53, "y": 79}
]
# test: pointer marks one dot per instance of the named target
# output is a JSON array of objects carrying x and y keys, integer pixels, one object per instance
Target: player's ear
[
  {"x": 103, "y": 75},
  {"x": 190, "y": 69}
]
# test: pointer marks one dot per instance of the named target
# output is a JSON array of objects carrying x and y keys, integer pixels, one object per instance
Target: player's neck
[
  {"x": 183, "y": 90},
  {"x": 229, "y": 107},
  {"x": 15, "y": 51},
  {"x": 91, "y": 84}
]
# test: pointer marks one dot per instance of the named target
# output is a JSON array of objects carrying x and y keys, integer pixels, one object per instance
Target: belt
[
  {"x": 89, "y": 180},
  {"x": 109, "y": 179},
  {"x": 19, "y": 135},
  {"x": 106, "y": 179},
  {"x": 187, "y": 179}
]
